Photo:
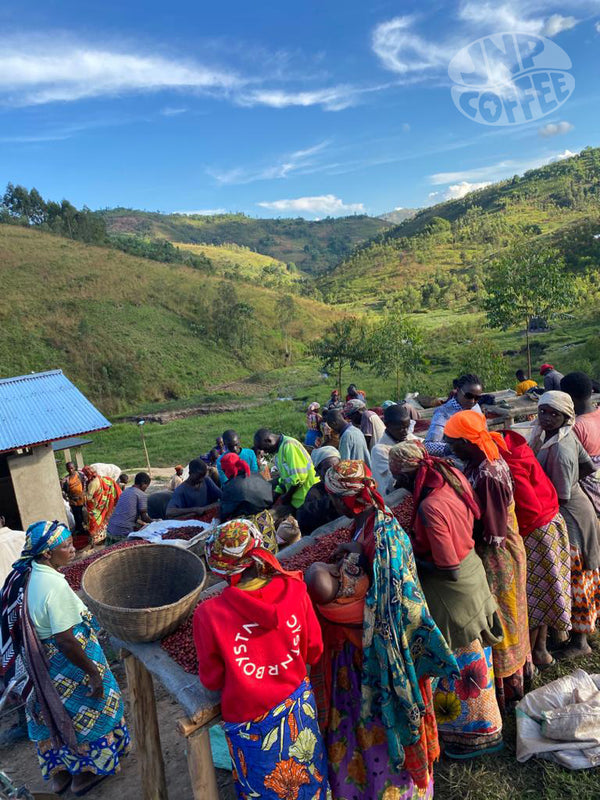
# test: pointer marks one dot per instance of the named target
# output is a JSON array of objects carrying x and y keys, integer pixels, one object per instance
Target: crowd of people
[{"x": 354, "y": 677}]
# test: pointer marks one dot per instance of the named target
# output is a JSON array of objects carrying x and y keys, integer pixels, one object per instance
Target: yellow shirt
[
  {"x": 53, "y": 606},
  {"x": 525, "y": 386}
]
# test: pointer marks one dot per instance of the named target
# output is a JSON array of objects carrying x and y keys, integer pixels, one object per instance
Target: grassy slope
[
  {"x": 404, "y": 254},
  {"x": 312, "y": 246},
  {"x": 117, "y": 322},
  {"x": 243, "y": 262}
]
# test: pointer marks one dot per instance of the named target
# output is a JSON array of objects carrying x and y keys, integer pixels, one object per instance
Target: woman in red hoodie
[
  {"x": 546, "y": 540},
  {"x": 254, "y": 642}
]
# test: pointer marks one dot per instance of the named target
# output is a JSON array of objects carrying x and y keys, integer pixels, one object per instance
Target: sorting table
[{"x": 201, "y": 707}]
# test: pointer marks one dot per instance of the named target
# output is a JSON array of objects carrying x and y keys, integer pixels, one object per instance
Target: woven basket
[{"x": 141, "y": 594}]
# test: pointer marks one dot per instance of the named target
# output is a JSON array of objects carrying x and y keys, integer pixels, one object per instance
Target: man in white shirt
[{"x": 397, "y": 421}]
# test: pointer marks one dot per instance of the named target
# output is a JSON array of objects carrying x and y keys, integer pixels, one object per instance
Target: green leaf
[{"x": 308, "y": 710}]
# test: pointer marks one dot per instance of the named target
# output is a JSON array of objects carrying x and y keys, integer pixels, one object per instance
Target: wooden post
[
  {"x": 140, "y": 426},
  {"x": 201, "y": 767},
  {"x": 147, "y": 736}
]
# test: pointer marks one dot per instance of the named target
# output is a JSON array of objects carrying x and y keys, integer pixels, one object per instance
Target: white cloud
[
  {"x": 403, "y": 51},
  {"x": 597, "y": 26},
  {"x": 202, "y": 212},
  {"x": 495, "y": 172},
  {"x": 557, "y": 24},
  {"x": 325, "y": 204},
  {"x": 555, "y": 129},
  {"x": 45, "y": 70},
  {"x": 458, "y": 190},
  {"x": 563, "y": 155},
  {"x": 334, "y": 99},
  {"x": 172, "y": 112},
  {"x": 297, "y": 162}
]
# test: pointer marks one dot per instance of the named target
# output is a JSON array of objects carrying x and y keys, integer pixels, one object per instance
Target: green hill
[
  {"x": 128, "y": 329},
  {"x": 313, "y": 246},
  {"x": 439, "y": 254}
]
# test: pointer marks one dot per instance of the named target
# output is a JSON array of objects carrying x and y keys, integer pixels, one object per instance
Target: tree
[
  {"x": 528, "y": 280},
  {"x": 483, "y": 358},
  {"x": 342, "y": 345},
  {"x": 395, "y": 347}
]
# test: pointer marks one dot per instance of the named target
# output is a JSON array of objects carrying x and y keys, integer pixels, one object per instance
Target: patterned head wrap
[
  {"x": 559, "y": 401},
  {"x": 321, "y": 453},
  {"x": 232, "y": 465},
  {"x": 314, "y": 407},
  {"x": 354, "y": 405},
  {"x": 89, "y": 473},
  {"x": 388, "y": 403},
  {"x": 40, "y": 538},
  {"x": 236, "y": 546},
  {"x": 432, "y": 473},
  {"x": 471, "y": 425},
  {"x": 353, "y": 483}
]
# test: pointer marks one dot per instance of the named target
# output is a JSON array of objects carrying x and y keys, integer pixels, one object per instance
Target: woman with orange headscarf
[{"x": 498, "y": 543}]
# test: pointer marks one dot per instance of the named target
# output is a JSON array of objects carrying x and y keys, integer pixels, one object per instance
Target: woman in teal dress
[{"x": 75, "y": 711}]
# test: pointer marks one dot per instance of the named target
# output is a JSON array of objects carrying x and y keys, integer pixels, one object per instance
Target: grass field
[{"x": 244, "y": 263}]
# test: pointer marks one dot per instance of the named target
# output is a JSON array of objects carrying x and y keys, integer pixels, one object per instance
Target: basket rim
[{"x": 153, "y": 609}]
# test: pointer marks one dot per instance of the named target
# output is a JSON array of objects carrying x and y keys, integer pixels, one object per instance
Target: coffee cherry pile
[
  {"x": 74, "y": 572},
  {"x": 180, "y": 644}
]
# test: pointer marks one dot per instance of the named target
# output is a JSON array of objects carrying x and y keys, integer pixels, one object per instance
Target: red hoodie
[
  {"x": 536, "y": 501},
  {"x": 254, "y": 645}
]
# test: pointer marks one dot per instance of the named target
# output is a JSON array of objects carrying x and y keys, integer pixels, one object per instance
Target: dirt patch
[
  {"x": 20, "y": 762},
  {"x": 162, "y": 417}
]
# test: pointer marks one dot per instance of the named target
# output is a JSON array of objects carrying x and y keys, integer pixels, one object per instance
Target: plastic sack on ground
[{"x": 561, "y": 722}]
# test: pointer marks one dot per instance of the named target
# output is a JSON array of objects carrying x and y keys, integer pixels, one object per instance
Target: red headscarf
[
  {"x": 472, "y": 426},
  {"x": 232, "y": 465}
]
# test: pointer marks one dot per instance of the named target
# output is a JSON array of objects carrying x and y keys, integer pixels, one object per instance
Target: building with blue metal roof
[
  {"x": 43, "y": 407},
  {"x": 35, "y": 411}
]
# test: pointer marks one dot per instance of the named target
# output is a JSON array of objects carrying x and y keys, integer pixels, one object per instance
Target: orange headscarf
[{"x": 471, "y": 425}]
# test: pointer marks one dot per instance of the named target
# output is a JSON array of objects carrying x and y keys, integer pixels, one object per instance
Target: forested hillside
[
  {"x": 128, "y": 329},
  {"x": 312, "y": 246},
  {"x": 439, "y": 256}
]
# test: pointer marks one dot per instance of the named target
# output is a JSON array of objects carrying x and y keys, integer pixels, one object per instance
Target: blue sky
[{"x": 288, "y": 109}]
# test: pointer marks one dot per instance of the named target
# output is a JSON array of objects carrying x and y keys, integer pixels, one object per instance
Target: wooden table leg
[
  {"x": 147, "y": 736},
  {"x": 201, "y": 767}
]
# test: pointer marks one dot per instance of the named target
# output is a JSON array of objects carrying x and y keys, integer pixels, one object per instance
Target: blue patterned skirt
[
  {"x": 280, "y": 754},
  {"x": 99, "y": 723}
]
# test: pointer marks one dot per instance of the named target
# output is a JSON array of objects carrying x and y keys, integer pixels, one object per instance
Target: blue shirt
[
  {"x": 353, "y": 445},
  {"x": 246, "y": 454},
  {"x": 186, "y": 496},
  {"x": 130, "y": 506},
  {"x": 434, "y": 441}
]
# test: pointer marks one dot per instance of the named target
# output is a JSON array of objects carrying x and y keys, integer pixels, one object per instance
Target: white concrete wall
[{"x": 37, "y": 487}]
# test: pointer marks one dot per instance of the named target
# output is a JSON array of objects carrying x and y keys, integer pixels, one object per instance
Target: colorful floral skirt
[
  {"x": 280, "y": 755},
  {"x": 506, "y": 571},
  {"x": 549, "y": 575},
  {"x": 466, "y": 709},
  {"x": 359, "y": 767},
  {"x": 99, "y": 724},
  {"x": 585, "y": 587}
]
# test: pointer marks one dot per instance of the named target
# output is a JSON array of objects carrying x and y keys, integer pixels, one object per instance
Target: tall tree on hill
[
  {"x": 341, "y": 346},
  {"x": 395, "y": 348},
  {"x": 528, "y": 280}
]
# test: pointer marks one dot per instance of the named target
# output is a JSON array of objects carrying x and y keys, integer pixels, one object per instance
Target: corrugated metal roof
[{"x": 43, "y": 407}]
